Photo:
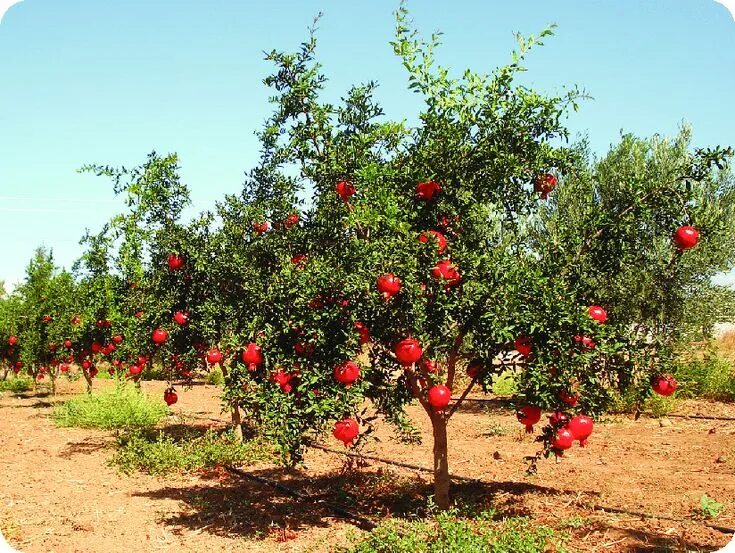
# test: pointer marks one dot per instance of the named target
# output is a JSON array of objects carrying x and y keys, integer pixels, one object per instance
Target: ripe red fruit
[
  {"x": 426, "y": 190},
  {"x": 523, "y": 345},
  {"x": 445, "y": 271},
  {"x": 529, "y": 415},
  {"x": 568, "y": 398},
  {"x": 581, "y": 426},
  {"x": 75, "y": 320},
  {"x": 117, "y": 338},
  {"x": 408, "y": 351},
  {"x": 104, "y": 323},
  {"x": 291, "y": 221},
  {"x": 135, "y": 370},
  {"x": 686, "y": 237},
  {"x": 557, "y": 417},
  {"x": 143, "y": 360},
  {"x": 214, "y": 356},
  {"x": 430, "y": 366},
  {"x": 563, "y": 439},
  {"x": 346, "y": 431},
  {"x": 439, "y": 396},
  {"x": 474, "y": 368},
  {"x": 47, "y": 318},
  {"x": 299, "y": 259},
  {"x": 304, "y": 349},
  {"x": 544, "y": 184},
  {"x": 664, "y": 384},
  {"x": 12, "y": 341},
  {"x": 93, "y": 372},
  {"x": 181, "y": 318},
  {"x": 96, "y": 347},
  {"x": 346, "y": 373},
  {"x": 86, "y": 364},
  {"x": 138, "y": 314},
  {"x": 68, "y": 344},
  {"x": 388, "y": 285},
  {"x": 170, "y": 397},
  {"x": 52, "y": 347},
  {"x": 345, "y": 189},
  {"x": 363, "y": 331},
  {"x": 585, "y": 341},
  {"x": 64, "y": 367},
  {"x": 252, "y": 356},
  {"x": 597, "y": 313},
  {"x": 438, "y": 237},
  {"x": 261, "y": 227},
  {"x": 159, "y": 336},
  {"x": 175, "y": 262},
  {"x": 17, "y": 366}
]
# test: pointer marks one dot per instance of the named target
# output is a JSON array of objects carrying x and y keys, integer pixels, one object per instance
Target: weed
[
  {"x": 708, "y": 508},
  {"x": 16, "y": 385}
]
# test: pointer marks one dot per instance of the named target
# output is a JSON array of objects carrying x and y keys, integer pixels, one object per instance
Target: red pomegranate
[
  {"x": 529, "y": 415},
  {"x": 569, "y": 398},
  {"x": 291, "y": 221},
  {"x": 558, "y": 418},
  {"x": 52, "y": 347},
  {"x": 138, "y": 314},
  {"x": 304, "y": 349},
  {"x": 544, "y": 185},
  {"x": 117, "y": 338},
  {"x": 170, "y": 397},
  {"x": 686, "y": 237},
  {"x": 408, "y": 351},
  {"x": 523, "y": 345},
  {"x": 581, "y": 426},
  {"x": 664, "y": 384},
  {"x": 345, "y": 190},
  {"x": 585, "y": 341},
  {"x": 68, "y": 344},
  {"x": 430, "y": 366},
  {"x": 12, "y": 340},
  {"x": 299, "y": 259},
  {"x": 135, "y": 370},
  {"x": 426, "y": 190},
  {"x": 439, "y": 396},
  {"x": 181, "y": 318},
  {"x": 17, "y": 366},
  {"x": 261, "y": 227},
  {"x": 75, "y": 320},
  {"x": 446, "y": 272},
  {"x": 175, "y": 262},
  {"x": 474, "y": 368},
  {"x": 388, "y": 285},
  {"x": 363, "y": 331},
  {"x": 435, "y": 235},
  {"x": 252, "y": 356},
  {"x": 597, "y": 313},
  {"x": 93, "y": 371},
  {"x": 214, "y": 356},
  {"x": 143, "y": 360},
  {"x": 64, "y": 367},
  {"x": 47, "y": 318},
  {"x": 96, "y": 347},
  {"x": 86, "y": 364},
  {"x": 563, "y": 439},
  {"x": 159, "y": 336},
  {"x": 347, "y": 372},
  {"x": 346, "y": 431}
]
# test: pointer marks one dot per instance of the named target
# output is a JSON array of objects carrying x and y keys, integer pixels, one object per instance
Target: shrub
[
  {"x": 449, "y": 533},
  {"x": 16, "y": 385},
  {"x": 160, "y": 453},
  {"x": 122, "y": 407},
  {"x": 710, "y": 376},
  {"x": 215, "y": 376}
]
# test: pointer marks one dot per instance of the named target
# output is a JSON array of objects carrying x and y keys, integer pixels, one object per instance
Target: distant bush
[
  {"x": 450, "y": 533},
  {"x": 158, "y": 453},
  {"x": 708, "y": 376},
  {"x": 215, "y": 376},
  {"x": 124, "y": 407},
  {"x": 16, "y": 385}
]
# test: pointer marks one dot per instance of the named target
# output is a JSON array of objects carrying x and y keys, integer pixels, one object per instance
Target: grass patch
[
  {"x": 450, "y": 533},
  {"x": 158, "y": 453},
  {"x": 123, "y": 407},
  {"x": 709, "y": 376},
  {"x": 215, "y": 376},
  {"x": 16, "y": 385}
]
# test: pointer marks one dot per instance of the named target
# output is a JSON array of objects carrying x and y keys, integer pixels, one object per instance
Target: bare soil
[{"x": 59, "y": 494}]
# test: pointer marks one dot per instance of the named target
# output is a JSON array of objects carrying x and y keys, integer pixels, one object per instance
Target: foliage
[
  {"x": 449, "y": 533},
  {"x": 706, "y": 375},
  {"x": 16, "y": 385},
  {"x": 122, "y": 407},
  {"x": 708, "y": 507},
  {"x": 159, "y": 453}
]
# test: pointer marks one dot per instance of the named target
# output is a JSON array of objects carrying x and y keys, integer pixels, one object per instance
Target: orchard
[{"x": 369, "y": 264}]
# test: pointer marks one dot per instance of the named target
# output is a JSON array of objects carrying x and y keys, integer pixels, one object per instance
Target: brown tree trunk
[
  {"x": 441, "y": 461},
  {"x": 236, "y": 423}
]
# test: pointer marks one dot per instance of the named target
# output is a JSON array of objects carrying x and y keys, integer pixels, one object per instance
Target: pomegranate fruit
[
  {"x": 426, "y": 190},
  {"x": 117, "y": 338},
  {"x": 12, "y": 340},
  {"x": 159, "y": 336},
  {"x": 93, "y": 371},
  {"x": 214, "y": 356},
  {"x": 175, "y": 262},
  {"x": 686, "y": 237},
  {"x": 569, "y": 398},
  {"x": 474, "y": 368},
  {"x": 581, "y": 426},
  {"x": 135, "y": 370},
  {"x": 363, "y": 331},
  {"x": 585, "y": 341},
  {"x": 563, "y": 439},
  {"x": 291, "y": 221},
  {"x": 170, "y": 397},
  {"x": 544, "y": 185},
  {"x": 439, "y": 396},
  {"x": 408, "y": 351},
  {"x": 261, "y": 227},
  {"x": 597, "y": 313},
  {"x": 664, "y": 384},
  {"x": 252, "y": 356},
  {"x": 523, "y": 345},
  {"x": 346, "y": 373},
  {"x": 388, "y": 285},
  {"x": 181, "y": 318},
  {"x": 446, "y": 272},
  {"x": 64, "y": 367},
  {"x": 529, "y": 415},
  {"x": 438, "y": 237},
  {"x": 68, "y": 344},
  {"x": 345, "y": 190},
  {"x": 346, "y": 431}
]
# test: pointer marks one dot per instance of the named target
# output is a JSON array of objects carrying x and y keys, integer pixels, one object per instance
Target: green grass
[
  {"x": 450, "y": 533},
  {"x": 711, "y": 376},
  {"x": 158, "y": 453},
  {"x": 708, "y": 508},
  {"x": 16, "y": 385},
  {"x": 121, "y": 407}
]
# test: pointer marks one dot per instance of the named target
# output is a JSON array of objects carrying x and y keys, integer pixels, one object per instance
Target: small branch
[
  {"x": 461, "y": 398},
  {"x": 453, "y": 358}
]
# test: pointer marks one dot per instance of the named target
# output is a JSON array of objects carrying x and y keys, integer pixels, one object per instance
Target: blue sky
[{"x": 88, "y": 81}]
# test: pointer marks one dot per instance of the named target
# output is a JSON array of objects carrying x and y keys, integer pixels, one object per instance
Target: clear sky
[{"x": 107, "y": 82}]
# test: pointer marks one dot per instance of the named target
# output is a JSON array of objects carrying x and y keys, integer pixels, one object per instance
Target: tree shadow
[
  {"x": 492, "y": 405},
  {"x": 85, "y": 447}
]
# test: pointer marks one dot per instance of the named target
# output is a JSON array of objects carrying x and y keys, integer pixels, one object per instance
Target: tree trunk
[
  {"x": 236, "y": 422},
  {"x": 441, "y": 462}
]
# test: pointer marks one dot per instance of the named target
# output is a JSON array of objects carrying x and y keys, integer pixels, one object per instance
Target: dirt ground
[{"x": 58, "y": 493}]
